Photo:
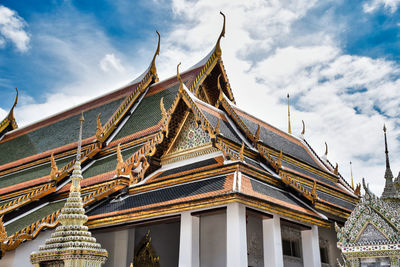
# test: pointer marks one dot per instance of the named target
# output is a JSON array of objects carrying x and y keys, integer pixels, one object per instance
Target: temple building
[
  {"x": 174, "y": 173},
  {"x": 371, "y": 235}
]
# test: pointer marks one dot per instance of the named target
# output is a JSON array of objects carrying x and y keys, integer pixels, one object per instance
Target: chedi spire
[
  {"x": 71, "y": 244},
  {"x": 388, "y": 191}
]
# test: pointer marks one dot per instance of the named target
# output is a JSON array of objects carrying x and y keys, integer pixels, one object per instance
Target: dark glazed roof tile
[{"x": 162, "y": 195}]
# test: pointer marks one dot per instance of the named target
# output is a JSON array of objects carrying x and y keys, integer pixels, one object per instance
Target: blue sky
[{"x": 338, "y": 59}]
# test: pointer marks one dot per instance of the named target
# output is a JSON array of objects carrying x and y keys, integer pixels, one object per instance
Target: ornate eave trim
[
  {"x": 35, "y": 194},
  {"x": 205, "y": 203},
  {"x": 149, "y": 77},
  {"x": 51, "y": 221}
]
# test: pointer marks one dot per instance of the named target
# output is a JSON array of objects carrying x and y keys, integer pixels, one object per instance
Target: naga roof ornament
[
  {"x": 218, "y": 50},
  {"x": 9, "y": 123},
  {"x": 303, "y": 131},
  {"x": 153, "y": 68},
  {"x": 71, "y": 242}
]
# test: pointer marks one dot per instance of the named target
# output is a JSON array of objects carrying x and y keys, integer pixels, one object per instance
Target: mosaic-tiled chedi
[
  {"x": 71, "y": 245},
  {"x": 371, "y": 235}
]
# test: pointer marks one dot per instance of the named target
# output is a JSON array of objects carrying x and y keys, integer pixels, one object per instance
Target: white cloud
[
  {"x": 344, "y": 99},
  {"x": 373, "y": 5},
  {"x": 3, "y": 114},
  {"x": 12, "y": 29},
  {"x": 110, "y": 62}
]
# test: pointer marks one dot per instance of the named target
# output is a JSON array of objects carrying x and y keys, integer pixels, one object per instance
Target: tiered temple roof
[{"x": 160, "y": 147}]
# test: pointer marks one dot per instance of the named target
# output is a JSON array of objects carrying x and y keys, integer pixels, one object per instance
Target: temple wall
[
  {"x": 213, "y": 240},
  {"x": 21, "y": 257},
  {"x": 165, "y": 241},
  {"x": 255, "y": 241},
  {"x": 328, "y": 237},
  {"x": 121, "y": 244},
  {"x": 117, "y": 245}
]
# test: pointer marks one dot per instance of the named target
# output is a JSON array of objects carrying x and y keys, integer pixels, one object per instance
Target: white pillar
[
  {"x": 120, "y": 247},
  {"x": 189, "y": 244},
  {"x": 272, "y": 242},
  {"x": 310, "y": 246},
  {"x": 236, "y": 241}
]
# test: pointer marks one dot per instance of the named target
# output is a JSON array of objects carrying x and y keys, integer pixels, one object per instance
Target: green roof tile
[
  {"x": 33, "y": 217},
  {"x": 108, "y": 163},
  {"x": 31, "y": 173},
  {"x": 55, "y": 135},
  {"x": 148, "y": 112}
]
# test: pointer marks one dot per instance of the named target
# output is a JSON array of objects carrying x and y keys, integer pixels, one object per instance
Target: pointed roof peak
[
  {"x": 9, "y": 123},
  {"x": 389, "y": 190},
  {"x": 222, "y": 34}
]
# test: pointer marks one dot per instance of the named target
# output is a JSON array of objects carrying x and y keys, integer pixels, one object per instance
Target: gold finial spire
[
  {"x": 54, "y": 168},
  {"x": 78, "y": 152},
  {"x": 304, "y": 128},
  {"x": 288, "y": 103},
  {"x": 218, "y": 46},
  {"x": 153, "y": 69},
  {"x": 351, "y": 175}
]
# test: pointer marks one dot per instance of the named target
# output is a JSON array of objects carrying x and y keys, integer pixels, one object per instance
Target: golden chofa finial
[
  {"x": 11, "y": 113},
  {"x": 218, "y": 50},
  {"x": 357, "y": 191},
  {"x": 303, "y": 131},
  {"x": 153, "y": 68},
  {"x": 336, "y": 170},
  {"x": 351, "y": 175},
  {"x": 326, "y": 149},
  {"x": 288, "y": 103},
  {"x": 54, "y": 168},
  {"x": 178, "y": 76}
]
